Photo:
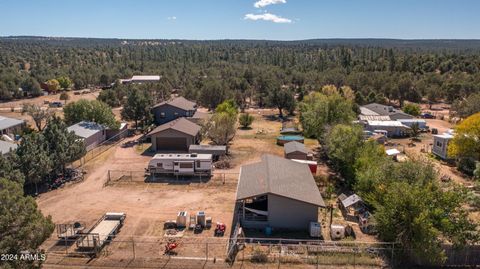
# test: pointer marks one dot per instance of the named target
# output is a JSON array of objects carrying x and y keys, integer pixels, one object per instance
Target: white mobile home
[
  {"x": 392, "y": 127},
  {"x": 422, "y": 124},
  {"x": 440, "y": 145},
  {"x": 181, "y": 164}
]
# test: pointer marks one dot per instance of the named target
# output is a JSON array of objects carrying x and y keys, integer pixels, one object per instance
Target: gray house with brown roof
[
  {"x": 173, "y": 109},
  {"x": 277, "y": 193},
  {"x": 175, "y": 136}
]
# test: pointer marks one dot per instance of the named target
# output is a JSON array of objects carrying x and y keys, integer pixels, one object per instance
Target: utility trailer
[
  {"x": 181, "y": 164},
  {"x": 102, "y": 232}
]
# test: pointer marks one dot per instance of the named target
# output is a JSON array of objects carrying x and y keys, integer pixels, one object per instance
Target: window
[
  {"x": 198, "y": 163},
  {"x": 186, "y": 165},
  {"x": 162, "y": 114},
  {"x": 160, "y": 165},
  {"x": 439, "y": 144}
]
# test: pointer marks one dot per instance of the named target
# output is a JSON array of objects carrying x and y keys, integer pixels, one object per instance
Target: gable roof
[
  {"x": 86, "y": 129},
  {"x": 5, "y": 147},
  {"x": 179, "y": 102},
  {"x": 380, "y": 109},
  {"x": 279, "y": 176},
  {"x": 351, "y": 200},
  {"x": 6, "y": 122},
  {"x": 181, "y": 124},
  {"x": 295, "y": 146}
]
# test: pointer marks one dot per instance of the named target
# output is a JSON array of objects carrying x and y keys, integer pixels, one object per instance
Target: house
[
  {"x": 351, "y": 206},
  {"x": 440, "y": 145},
  {"x": 175, "y": 136},
  {"x": 140, "y": 79},
  {"x": 422, "y": 124},
  {"x": 10, "y": 126},
  {"x": 392, "y": 127},
  {"x": 375, "y": 109},
  {"x": 277, "y": 193},
  {"x": 173, "y": 109},
  {"x": 295, "y": 150},
  {"x": 6, "y": 147},
  {"x": 92, "y": 133}
]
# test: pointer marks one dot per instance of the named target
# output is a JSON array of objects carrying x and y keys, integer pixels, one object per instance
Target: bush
[
  {"x": 245, "y": 120},
  {"x": 259, "y": 256},
  {"x": 466, "y": 165},
  {"x": 412, "y": 109}
]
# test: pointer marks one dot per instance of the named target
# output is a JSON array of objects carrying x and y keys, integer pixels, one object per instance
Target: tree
[
  {"x": 33, "y": 158},
  {"x": 281, "y": 98},
  {"x": 415, "y": 130},
  {"x": 38, "y": 114},
  {"x": 466, "y": 142},
  {"x": 412, "y": 109},
  {"x": 31, "y": 86},
  {"x": 90, "y": 110},
  {"x": 64, "y": 97},
  {"x": 245, "y": 120},
  {"x": 229, "y": 107},
  {"x": 64, "y": 82},
  {"x": 137, "y": 107},
  {"x": 63, "y": 146},
  {"x": 53, "y": 85},
  {"x": 221, "y": 128},
  {"x": 467, "y": 107},
  {"x": 23, "y": 227},
  {"x": 9, "y": 170},
  {"x": 319, "y": 111},
  {"x": 342, "y": 145}
]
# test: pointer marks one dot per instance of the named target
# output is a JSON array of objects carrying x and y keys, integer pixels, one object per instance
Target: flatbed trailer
[{"x": 102, "y": 232}]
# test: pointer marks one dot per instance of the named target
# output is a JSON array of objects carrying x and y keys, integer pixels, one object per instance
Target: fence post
[
  {"x": 133, "y": 249},
  {"x": 391, "y": 258},
  {"x": 206, "y": 251},
  {"x": 279, "y": 254}
]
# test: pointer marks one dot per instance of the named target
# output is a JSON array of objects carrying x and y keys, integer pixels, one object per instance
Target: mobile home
[{"x": 181, "y": 164}]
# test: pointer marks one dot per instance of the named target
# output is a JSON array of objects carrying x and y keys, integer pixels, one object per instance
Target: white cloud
[
  {"x": 172, "y": 18},
  {"x": 264, "y": 3},
  {"x": 267, "y": 17}
]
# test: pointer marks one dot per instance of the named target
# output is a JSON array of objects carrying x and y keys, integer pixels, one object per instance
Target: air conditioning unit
[{"x": 315, "y": 229}]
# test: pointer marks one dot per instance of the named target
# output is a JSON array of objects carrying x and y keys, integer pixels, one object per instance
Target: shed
[
  {"x": 6, "y": 147},
  {"x": 351, "y": 206},
  {"x": 175, "y": 136},
  {"x": 216, "y": 151},
  {"x": 122, "y": 132},
  {"x": 92, "y": 133},
  {"x": 10, "y": 126},
  {"x": 277, "y": 193},
  {"x": 295, "y": 150}
]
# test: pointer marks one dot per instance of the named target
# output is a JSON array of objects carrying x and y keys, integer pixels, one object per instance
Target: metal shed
[{"x": 216, "y": 151}]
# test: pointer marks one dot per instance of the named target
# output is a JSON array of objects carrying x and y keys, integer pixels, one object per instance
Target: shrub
[
  {"x": 412, "y": 109},
  {"x": 245, "y": 120}
]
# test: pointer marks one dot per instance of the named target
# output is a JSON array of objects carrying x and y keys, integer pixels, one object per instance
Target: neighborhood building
[
  {"x": 140, "y": 79},
  {"x": 375, "y": 109},
  {"x": 215, "y": 150},
  {"x": 295, "y": 150},
  {"x": 173, "y": 109},
  {"x": 6, "y": 147},
  {"x": 277, "y": 193},
  {"x": 393, "y": 128},
  {"x": 92, "y": 133},
  {"x": 10, "y": 126},
  {"x": 175, "y": 136},
  {"x": 440, "y": 145},
  {"x": 351, "y": 206}
]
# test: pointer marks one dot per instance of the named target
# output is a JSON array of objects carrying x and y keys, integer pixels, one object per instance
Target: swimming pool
[{"x": 283, "y": 139}]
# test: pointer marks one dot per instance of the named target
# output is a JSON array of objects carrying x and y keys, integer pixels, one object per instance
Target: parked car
[
  {"x": 427, "y": 116},
  {"x": 56, "y": 104}
]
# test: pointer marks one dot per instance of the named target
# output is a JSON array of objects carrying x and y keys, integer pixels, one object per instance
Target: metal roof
[
  {"x": 374, "y": 117},
  {"x": 175, "y": 156},
  {"x": 6, "y": 122},
  {"x": 390, "y": 123},
  {"x": 295, "y": 146},
  {"x": 351, "y": 200},
  {"x": 145, "y": 78},
  {"x": 392, "y": 152},
  {"x": 367, "y": 112},
  {"x": 278, "y": 176},
  {"x": 208, "y": 147},
  {"x": 179, "y": 102},
  {"x": 86, "y": 129},
  {"x": 444, "y": 136},
  {"x": 181, "y": 124},
  {"x": 5, "y": 147}
]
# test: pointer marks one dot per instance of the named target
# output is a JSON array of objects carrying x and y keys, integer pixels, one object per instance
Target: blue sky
[{"x": 242, "y": 19}]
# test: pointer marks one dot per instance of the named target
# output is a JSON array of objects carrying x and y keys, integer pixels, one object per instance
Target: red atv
[{"x": 220, "y": 229}]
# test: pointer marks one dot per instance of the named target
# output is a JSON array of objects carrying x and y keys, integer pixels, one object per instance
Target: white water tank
[
  {"x": 315, "y": 229},
  {"x": 182, "y": 219},
  {"x": 337, "y": 232}
]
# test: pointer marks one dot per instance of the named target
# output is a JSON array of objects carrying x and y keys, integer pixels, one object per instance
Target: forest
[{"x": 213, "y": 71}]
